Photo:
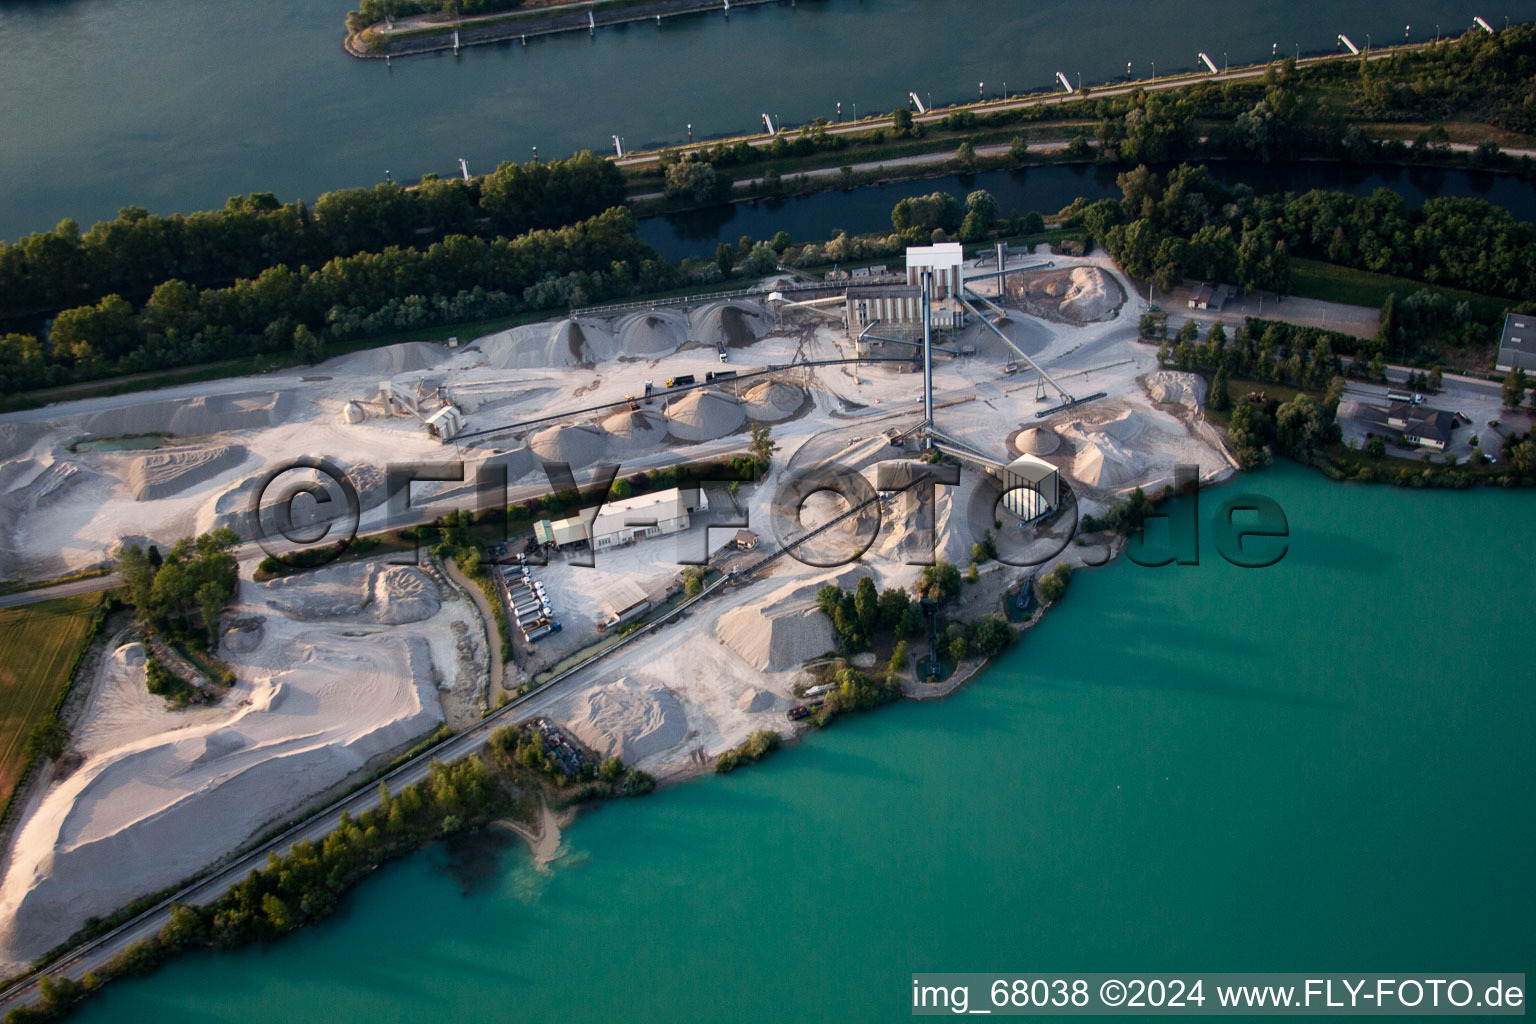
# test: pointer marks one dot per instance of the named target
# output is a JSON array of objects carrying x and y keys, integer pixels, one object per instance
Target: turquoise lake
[{"x": 1325, "y": 765}]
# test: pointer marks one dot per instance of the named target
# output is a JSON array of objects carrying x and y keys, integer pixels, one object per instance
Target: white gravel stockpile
[
  {"x": 729, "y": 322},
  {"x": 1092, "y": 296},
  {"x": 704, "y": 415},
  {"x": 393, "y": 594},
  {"x": 153, "y": 811},
  {"x": 407, "y": 357},
  {"x": 1037, "y": 441},
  {"x": 635, "y": 429},
  {"x": 772, "y": 401},
  {"x": 785, "y": 628},
  {"x": 627, "y": 719},
  {"x": 169, "y": 471},
  {"x": 575, "y": 443},
  {"x": 1176, "y": 388},
  {"x": 1106, "y": 454},
  {"x": 656, "y": 332},
  {"x": 193, "y": 417}
]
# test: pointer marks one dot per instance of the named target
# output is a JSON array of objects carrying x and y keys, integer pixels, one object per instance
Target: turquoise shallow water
[{"x": 1322, "y": 766}]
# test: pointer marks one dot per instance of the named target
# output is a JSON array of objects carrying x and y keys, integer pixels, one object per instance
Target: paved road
[
  {"x": 70, "y": 589},
  {"x": 1021, "y": 103}
]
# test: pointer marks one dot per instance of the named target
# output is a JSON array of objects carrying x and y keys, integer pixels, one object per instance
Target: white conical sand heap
[
  {"x": 732, "y": 323},
  {"x": 565, "y": 343},
  {"x": 1106, "y": 456},
  {"x": 407, "y": 357},
  {"x": 575, "y": 443},
  {"x": 652, "y": 333},
  {"x": 632, "y": 429},
  {"x": 1037, "y": 441},
  {"x": 772, "y": 401},
  {"x": 703, "y": 415}
]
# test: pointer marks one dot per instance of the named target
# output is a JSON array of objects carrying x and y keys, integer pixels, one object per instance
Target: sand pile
[
  {"x": 628, "y": 719},
  {"x": 169, "y": 471},
  {"x": 563, "y": 343},
  {"x": 634, "y": 429},
  {"x": 403, "y": 593},
  {"x": 785, "y": 628},
  {"x": 1092, "y": 296},
  {"x": 704, "y": 414},
  {"x": 408, "y": 357},
  {"x": 28, "y": 486},
  {"x": 656, "y": 332},
  {"x": 16, "y": 438},
  {"x": 753, "y": 700},
  {"x": 1037, "y": 441},
  {"x": 1175, "y": 388},
  {"x": 392, "y": 594},
  {"x": 192, "y": 417},
  {"x": 145, "y": 815},
  {"x": 244, "y": 635},
  {"x": 912, "y": 535},
  {"x": 1106, "y": 456},
  {"x": 519, "y": 462},
  {"x": 577, "y": 444},
  {"x": 772, "y": 401},
  {"x": 732, "y": 323}
]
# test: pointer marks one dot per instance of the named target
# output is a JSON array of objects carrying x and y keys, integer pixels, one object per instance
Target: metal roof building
[{"x": 1517, "y": 345}]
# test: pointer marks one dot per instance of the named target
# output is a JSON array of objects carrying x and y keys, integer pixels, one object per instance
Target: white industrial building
[
  {"x": 628, "y": 520},
  {"x": 1031, "y": 487}
]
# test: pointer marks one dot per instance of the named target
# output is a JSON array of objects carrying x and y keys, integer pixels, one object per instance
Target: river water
[
  {"x": 178, "y": 104},
  {"x": 1048, "y": 189},
  {"x": 1323, "y": 765}
]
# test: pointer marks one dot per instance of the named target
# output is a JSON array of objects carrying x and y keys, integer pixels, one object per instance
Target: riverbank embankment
[{"x": 409, "y": 36}]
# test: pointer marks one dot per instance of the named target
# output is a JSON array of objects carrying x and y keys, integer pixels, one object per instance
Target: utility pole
[{"x": 927, "y": 282}]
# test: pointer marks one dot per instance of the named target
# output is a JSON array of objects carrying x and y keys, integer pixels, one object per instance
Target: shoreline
[{"x": 506, "y": 26}]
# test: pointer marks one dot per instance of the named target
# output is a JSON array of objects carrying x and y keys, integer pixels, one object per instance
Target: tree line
[
  {"x": 1184, "y": 224},
  {"x": 284, "y": 310},
  {"x": 137, "y": 251}
]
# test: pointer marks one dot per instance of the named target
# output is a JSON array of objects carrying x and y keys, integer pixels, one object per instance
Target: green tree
[
  {"x": 965, "y": 156},
  {"x": 1221, "y": 392},
  {"x": 898, "y": 662},
  {"x": 306, "y": 347},
  {"x": 1375, "y": 447},
  {"x": 938, "y": 582},
  {"x": 762, "y": 446},
  {"x": 1514, "y": 388},
  {"x": 1053, "y": 585},
  {"x": 901, "y": 122}
]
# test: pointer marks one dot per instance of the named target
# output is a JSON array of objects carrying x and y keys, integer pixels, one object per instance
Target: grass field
[
  {"x": 1312, "y": 279},
  {"x": 39, "y": 644}
]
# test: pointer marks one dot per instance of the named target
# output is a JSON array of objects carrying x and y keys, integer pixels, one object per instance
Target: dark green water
[
  {"x": 1324, "y": 765},
  {"x": 178, "y": 104}
]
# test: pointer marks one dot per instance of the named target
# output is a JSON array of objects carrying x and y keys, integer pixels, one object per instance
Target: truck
[
  {"x": 1394, "y": 395},
  {"x": 725, "y": 356},
  {"x": 721, "y": 375},
  {"x": 534, "y": 636},
  {"x": 680, "y": 380}
]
